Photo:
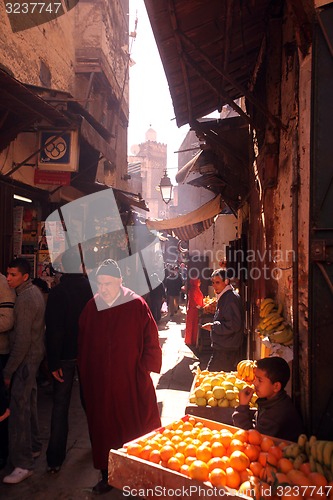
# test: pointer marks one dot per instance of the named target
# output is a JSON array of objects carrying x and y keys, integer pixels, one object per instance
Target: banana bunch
[
  {"x": 296, "y": 452},
  {"x": 245, "y": 370},
  {"x": 273, "y": 323},
  {"x": 318, "y": 453},
  {"x": 282, "y": 336}
]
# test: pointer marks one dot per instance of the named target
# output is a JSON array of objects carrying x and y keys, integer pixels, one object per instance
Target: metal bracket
[{"x": 322, "y": 250}]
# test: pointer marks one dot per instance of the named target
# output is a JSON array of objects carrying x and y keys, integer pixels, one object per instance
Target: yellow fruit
[
  {"x": 233, "y": 403},
  {"x": 254, "y": 398},
  {"x": 223, "y": 403},
  {"x": 227, "y": 385},
  {"x": 201, "y": 401},
  {"x": 212, "y": 402},
  {"x": 240, "y": 384},
  {"x": 218, "y": 392},
  {"x": 230, "y": 394},
  {"x": 216, "y": 381},
  {"x": 199, "y": 392}
]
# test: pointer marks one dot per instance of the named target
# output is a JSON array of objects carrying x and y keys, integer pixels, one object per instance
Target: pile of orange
[{"x": 243, "y": 460}]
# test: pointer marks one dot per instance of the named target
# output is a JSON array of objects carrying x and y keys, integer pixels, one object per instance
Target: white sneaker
[{"x": 17, "y": 476}]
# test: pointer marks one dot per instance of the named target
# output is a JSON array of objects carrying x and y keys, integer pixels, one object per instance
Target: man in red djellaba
[{"x": 118, "y": 348}]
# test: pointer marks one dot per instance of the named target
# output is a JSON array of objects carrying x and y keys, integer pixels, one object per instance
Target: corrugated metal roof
[{"x": 209, "y": 50}]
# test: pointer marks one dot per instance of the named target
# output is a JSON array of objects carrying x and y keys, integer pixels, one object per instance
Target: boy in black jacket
[{"x": 276, "y": 414}]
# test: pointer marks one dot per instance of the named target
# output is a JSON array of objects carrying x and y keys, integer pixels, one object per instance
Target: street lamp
[{"x": 166, "y": 188}]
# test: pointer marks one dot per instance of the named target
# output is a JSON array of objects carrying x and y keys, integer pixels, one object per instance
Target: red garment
[
  {"x": 118, "y": 348},
  {"x": 195, "y": 298}
]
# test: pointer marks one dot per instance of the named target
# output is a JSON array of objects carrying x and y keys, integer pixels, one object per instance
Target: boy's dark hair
[
  {"x": 23, "y": 265},
  {"x": 277, "y": 369},
  {"x": 221, "y": 273}
]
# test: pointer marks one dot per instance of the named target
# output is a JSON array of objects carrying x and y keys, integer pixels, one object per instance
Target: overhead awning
[
  {"x": 224, "y": 167},
  {"x": 20, "y": 107},
  {"x": 92, "y": 131},
  {"x": 65, "y": 194},
  {"x": 209, "y": 50},
  {"x": 93, "y": 137},
  {"x": 190, "y": 225},
  {"x": 202, "y": 162},
  {"x": 71, "y": 193}
]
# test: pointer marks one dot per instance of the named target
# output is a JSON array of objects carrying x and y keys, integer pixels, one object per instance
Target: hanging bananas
[
  {"x": 273, "y": 323},
  {"x": 245, "y": 370}
]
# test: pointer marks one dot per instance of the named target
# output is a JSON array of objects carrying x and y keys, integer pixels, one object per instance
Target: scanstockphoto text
[
  {"x": 214, "y": 492},
  {"x": 182, "y": 491}
]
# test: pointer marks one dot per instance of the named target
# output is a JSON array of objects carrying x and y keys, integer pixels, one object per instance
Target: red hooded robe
[
  {"x": 118, "y": 348},
  {"x": 195, "y": 298}
]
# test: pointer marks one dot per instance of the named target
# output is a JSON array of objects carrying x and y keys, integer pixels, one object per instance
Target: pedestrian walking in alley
[
  {"x": 7, "y": 301},
  {"x": 26, "y": 353},
  {"x": 156, "y": 296},
  {"x": 173, "y": 284},
  {"x": 227, "y": 328},
  {"x": 194, "y": 302},
  {"x": 118, "y": 348},
  {"x": 64, "y": 306}
]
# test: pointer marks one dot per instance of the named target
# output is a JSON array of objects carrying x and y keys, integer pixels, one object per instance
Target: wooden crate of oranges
[
  {"x": 196, "y": 457},
  {"x": 191, "y": 457}
]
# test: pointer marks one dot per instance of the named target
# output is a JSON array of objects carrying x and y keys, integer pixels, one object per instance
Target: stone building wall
[
  {"x": 50, "y": 44},
  {"x": 279, "y": 200},
  {"x": 83, "y": 52}
]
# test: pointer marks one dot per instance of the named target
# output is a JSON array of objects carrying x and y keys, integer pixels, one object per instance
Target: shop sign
[
  {"x": 59, "y": 150},
  {"x": 52, "y": 178}
]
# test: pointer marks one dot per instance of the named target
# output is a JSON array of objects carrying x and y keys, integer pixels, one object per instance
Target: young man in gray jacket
[
  {"x": 227, "y": 328},
  {"x": 26, "y": 353},
  {"x": 7, "y": 301}
]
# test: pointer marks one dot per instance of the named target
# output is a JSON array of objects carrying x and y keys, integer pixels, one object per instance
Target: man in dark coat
[
  {"x": 227, "y": 328},
  {"x": 64, "y": 306},
  {"x": 118, "y": 348},
  {"x": 156, "y": 296}
]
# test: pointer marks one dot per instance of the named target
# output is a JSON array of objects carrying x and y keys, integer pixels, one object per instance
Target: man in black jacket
[
  {"x": 64, "y": 306},
  {"x": 227, "y": 328}
]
